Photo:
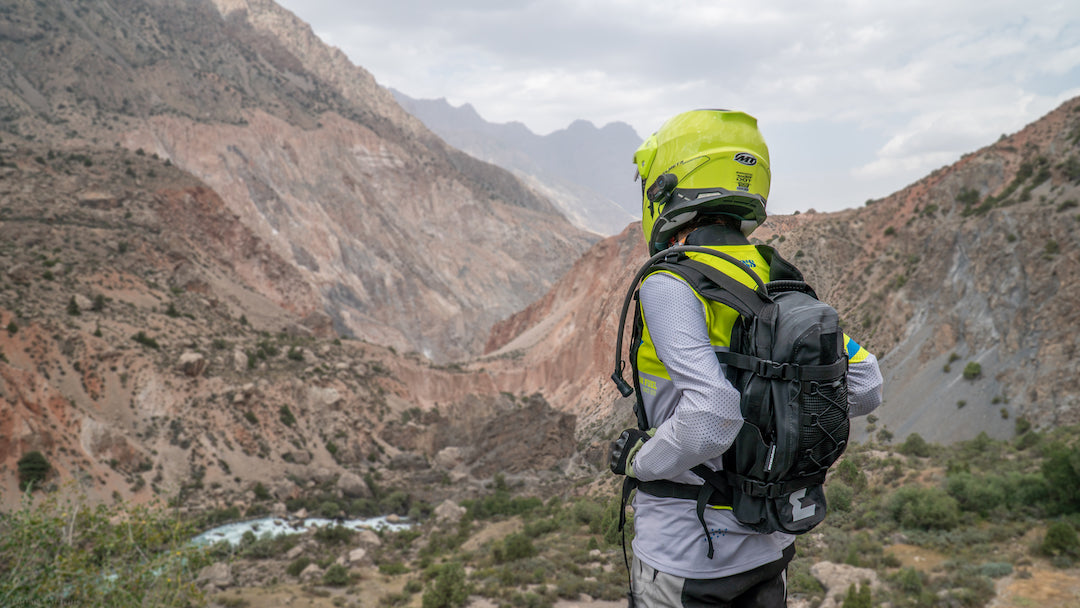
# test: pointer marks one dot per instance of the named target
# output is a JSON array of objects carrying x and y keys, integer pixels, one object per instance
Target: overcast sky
[{"x": 856, "y": 98}]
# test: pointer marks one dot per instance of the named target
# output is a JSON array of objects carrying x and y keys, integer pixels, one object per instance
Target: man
[{"x": 705, "y": 181}]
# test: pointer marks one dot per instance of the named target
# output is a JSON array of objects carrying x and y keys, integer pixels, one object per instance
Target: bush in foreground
[{"x": 75, "y": 554}]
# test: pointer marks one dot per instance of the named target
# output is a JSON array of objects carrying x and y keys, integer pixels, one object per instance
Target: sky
[{"x": 855, "y": 98}]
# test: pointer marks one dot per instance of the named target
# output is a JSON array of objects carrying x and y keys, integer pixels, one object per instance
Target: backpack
[{"x": 788, "y": 362}]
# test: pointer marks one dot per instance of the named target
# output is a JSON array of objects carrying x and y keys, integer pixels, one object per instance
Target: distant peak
[{"x": 581, "y": 125}]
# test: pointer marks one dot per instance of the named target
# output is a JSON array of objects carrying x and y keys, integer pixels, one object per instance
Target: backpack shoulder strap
[{"x": 713, "y": 284}]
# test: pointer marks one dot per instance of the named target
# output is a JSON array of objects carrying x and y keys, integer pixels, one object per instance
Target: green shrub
[
  {"x": 34, "y": 468},
  {"x": 329, "y": 508},
  {"x": 1060, "y": 539},
  {"x": 996, "y": 569},
  {"x": 12, "y": 327},
  {"x": 333, "y": 535},
  {"x": 448, "y": 590},
  {"x": 974, "y": 494},
  {"x": 514, "y": 547},
  {"x": 850, "y": 474},
  {"x": 146, "y": 340},
  {"x": 1061, "y": 469},
  {"x": 972, "y": 370},
  {"x": 286, "y": 416},
  {"x": 336, "y": 576},
  {"x": 924, "y": 508},
  {"x": 1023, "y": 425},
  {"x": 73, "y": 307},
  {"x": 393, "y": 568},
  {"x": 915, "y": 445},
  {"x": 297, "y": 566},
  {"x": 909, "y": 580},
  {"x": 839, "y": 496},
  {"x": 860, "y": 598},
  {"x": 967, "y": 197}
]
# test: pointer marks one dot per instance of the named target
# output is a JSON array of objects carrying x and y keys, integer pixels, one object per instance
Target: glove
[{"x": 625, "y": 448}]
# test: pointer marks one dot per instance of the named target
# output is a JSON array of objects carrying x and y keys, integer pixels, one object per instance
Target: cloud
[{"x": 920, "y": 82}]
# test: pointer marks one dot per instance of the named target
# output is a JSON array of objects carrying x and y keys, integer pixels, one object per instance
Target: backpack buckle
[
  {"x": 772, "y": 369},
  {"x": 761, "y": 489}
]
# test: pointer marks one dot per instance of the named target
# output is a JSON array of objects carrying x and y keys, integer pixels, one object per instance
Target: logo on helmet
[{"x": 745, "y": 159}]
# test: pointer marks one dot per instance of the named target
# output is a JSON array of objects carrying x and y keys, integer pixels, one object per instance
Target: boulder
[
  {"x": 449, "y": 511},
  {"x": 358, "y": 556},
  {"x": 319, "y": 474},
  {"x": 193, "y": 364},
  {"x": 83, "y": 302},
  {"x": 300, "y": 456},
  {"x": 312, "y": 573},
  {"x": 367, "y": 538},
  {"x": 217, "y": 576},
  {"x": 450, "y": 457},
  {"x": 353, "y": 486},
  {"x": 240, "y": 360}
]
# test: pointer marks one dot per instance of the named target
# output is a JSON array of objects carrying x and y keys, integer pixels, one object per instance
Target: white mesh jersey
[{"x": 698, "y": 418}]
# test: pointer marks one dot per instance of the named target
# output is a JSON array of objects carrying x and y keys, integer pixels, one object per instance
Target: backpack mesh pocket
[{"x": 823, "y": 431}]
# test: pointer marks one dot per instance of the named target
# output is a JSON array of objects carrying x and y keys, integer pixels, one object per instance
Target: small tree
[
  {"x": 915, "y": 445},
  {"x": 858, "y": 599},
  {"x": 34, "y": 468},
  {"x": 73, "y": 307},
  {"x": 972, "y": 370},
  {"x": 449, "y": 589},
  {"x": 1061, "y": 539}
]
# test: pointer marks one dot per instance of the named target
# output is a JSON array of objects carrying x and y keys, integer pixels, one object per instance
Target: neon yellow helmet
[{"x": 702, "y": 162}]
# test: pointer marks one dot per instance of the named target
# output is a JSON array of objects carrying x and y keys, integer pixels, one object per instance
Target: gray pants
[{"x": 762, "y": 587}]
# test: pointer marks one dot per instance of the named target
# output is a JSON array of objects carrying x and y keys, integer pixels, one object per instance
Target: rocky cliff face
[
  {"x": 305, "y": 148},
  {"x": 971, "y": 265},
  {"x": 152, "y": 345}
]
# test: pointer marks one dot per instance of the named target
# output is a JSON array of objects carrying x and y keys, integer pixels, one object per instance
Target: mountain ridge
[
  {"x": 243, "y": 95},
  {"x": 581, "y": 167}
]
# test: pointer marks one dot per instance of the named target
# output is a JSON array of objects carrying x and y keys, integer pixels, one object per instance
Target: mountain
[
  {"x": 151, "y": 344},
  {"x": 585, "y": 170},
  {"x": 964, "y": 284},
  {"x": 304, "y": 148},
  {"x": 224, "y": 254}
]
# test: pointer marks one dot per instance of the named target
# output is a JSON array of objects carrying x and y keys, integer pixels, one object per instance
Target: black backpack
[{"x": 788, "y": 362}]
